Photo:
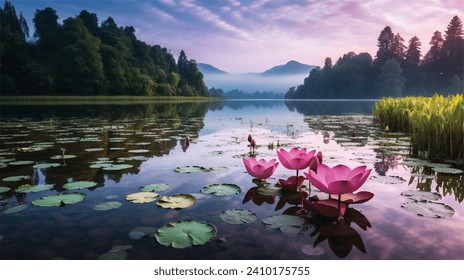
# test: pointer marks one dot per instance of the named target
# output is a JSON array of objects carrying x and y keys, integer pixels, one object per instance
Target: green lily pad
[
  {"x": 429, "y": 209},
  {"x": 421, "y": 195},
  {"x": 270, "y": 191},
  {"x": 4, "y": 189},
  {"x": 46, "y": 165},
  {"x": 105, "y": 206},
  {"x": 139, "y": 151},
  {"x": 59, "y": 199},
  {"x": 111, "y": 196},
  {"x": 184, "y": 234},
  {"x": 222, "y": 189},
  {"x": 15, "y": 209},
  {"x": 420, "y": 175},
  {"x": 21, "y": 162},
  {"x": 33, "y": 188},
  {"x": 387, "y": 179},
  {"x": 189, "y": 169},
  {"x": 16, "y": 178},
  {"x": 177, "y": 201},
  {"x": 63, "y": 157},
  {"x": 117, "y": 167},
  {"x": 100, "y": 165},
  {"x": 216, "y": 170},
  {"x": 78, "y": 185},
  {"x": 238, "y": 216},
  {"x": 155, "y": 188},
  {"x": 447, "y": 170},
  {"x": 142, "y": 197},
  {"x": 140, "y": 232},
  {"x": 94, "y": 149},
  {"x": 283, "y": 221},
  {"x": 113, "y": 255}
]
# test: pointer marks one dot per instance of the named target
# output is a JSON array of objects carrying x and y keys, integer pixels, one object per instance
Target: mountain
[
  {"x": 291, "y": 68},
  {"x": 208, "y": 69},
  {"x": 277, "y": 79}
]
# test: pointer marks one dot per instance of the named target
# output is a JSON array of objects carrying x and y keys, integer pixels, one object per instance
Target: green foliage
[{"x": 81, "y": 58}]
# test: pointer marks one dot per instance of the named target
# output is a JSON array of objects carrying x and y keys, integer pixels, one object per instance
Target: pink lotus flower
[
  {"x": 296, "y": 159},
  {"x": 292, "y": 183},
  {"x": 339, "y": 179},
  {"x": 260, "y": 169}
]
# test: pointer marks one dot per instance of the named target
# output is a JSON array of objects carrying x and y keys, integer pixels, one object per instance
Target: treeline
[
  {"x": 81, "y": 57},
  {"x": 240, "y": 94},
  {"x": 396, "y": 71}
]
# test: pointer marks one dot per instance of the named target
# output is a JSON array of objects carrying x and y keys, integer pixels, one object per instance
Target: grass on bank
[
  {"x": 436, "y": 123},
  {"x": 89, "y": 100}
]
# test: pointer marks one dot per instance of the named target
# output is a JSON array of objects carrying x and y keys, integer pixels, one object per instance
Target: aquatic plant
[
  {"x": 260, "y": 169},
  {"x": 299, "y": 159},
  {"x": 436, "y": 123}
]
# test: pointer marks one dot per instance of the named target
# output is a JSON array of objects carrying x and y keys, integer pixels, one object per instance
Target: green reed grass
[{"x": 436, "y": 123}]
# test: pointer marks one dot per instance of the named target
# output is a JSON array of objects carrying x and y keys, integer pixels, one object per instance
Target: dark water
[{"x": 150, "y": 140}]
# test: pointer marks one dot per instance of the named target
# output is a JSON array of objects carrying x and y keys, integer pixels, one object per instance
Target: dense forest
[
  {"x": 81, "y": 57},
  {"x": 397, "y": 69},
  {"x": 240, "y": 94}
]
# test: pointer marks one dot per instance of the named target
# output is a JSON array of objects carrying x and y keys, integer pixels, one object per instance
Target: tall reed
[{"x": 436, "y": 123}]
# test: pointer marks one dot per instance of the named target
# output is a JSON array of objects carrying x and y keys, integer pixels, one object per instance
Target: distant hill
[
  {"x": 291, "y": 68},
  {"x": 208, "y": 69},
  {"x": 277, "y": 79}
]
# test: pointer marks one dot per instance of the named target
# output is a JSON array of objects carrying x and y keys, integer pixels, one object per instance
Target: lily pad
[
  {"x": 429, "y": 209},
  {"x": 421, "y": 175},
  {"x": 270, "y": 191},
  {"x": 107, "y": 206},
  {"x": 59, "y": 199},
  {"x": 139, "y": 151},
  {"x": 155, "y": 188},
  {"x": 4, "y": 189},
  {"x": 111, "y": 196},
  {"x": 238, "y": 216},
  {"x": 447, "y": 170},
  {"x": 63, "y": 157},
  {"x": 33, "y": 188},
  {"x": 189, "y": 169},
  {"x": 387, "y": 179},
  {"x": 283, "y": 221},
  {"x": 140, "y": 232},
  {"x": 16, "y": 178},
  {"x": 113, "y": 255},
  {"x": 184, "y": 234},
  {"x": 21, "y": 162},
  {"x": 79, "y": 185},
  {"x": 177, "y": 201},
  {"x": 312, "y": 251},
  {"x": 113, "y": 167},
  {"x": 222, "y": 189},
  {"x": 216, "y": 170},
  {"x": 421, "y": 195},
  {"x": 94, "y": 149},
  {"x": 142, "y": 197},
  {"x": 46, "y": 165},
  {"x": 15, "y": 209}
]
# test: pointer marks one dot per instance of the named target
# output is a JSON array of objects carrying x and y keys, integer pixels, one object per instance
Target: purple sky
[{"x": 252, "y": 36}]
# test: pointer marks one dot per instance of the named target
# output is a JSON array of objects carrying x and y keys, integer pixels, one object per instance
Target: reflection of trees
[
  {"x": 446, "y": 184},
  {"x": 315, "y": 107},
  {"x": 158, "y": 127}
]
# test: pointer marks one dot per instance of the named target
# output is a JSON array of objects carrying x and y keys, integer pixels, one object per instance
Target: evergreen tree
[
  {"x": 390, "y": 81},
  {"x": 413, "y": 53},
  {"x": 453, "y": 49}
]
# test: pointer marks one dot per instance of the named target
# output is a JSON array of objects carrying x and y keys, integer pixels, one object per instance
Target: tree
[
  {"x": 398, "y": 47},
  {"x": 390, "y": 81},
  {"x": 436, "y": 43},
  {"x": 453, "y": 49},
  {"x": 413, "y": 52},
  {"x": 385, "y": 42},
  {"x": 90, "y": 21},
  {"x": 46, "y": 27}
]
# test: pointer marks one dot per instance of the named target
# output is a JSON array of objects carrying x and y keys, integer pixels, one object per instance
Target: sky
[{"x": 241, "y": 36}]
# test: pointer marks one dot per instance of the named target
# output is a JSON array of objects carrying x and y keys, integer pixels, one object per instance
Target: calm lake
[{"x": 115, "y": 150}]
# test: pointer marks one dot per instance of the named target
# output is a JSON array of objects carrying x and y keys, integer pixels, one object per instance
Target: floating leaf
[
  {"x": 15, "y": 209},
  {"x": 16, "y": 178},
  {"x": 183, "y": 234},
  {"x": 420, "y": 175},
  {"x": 387, "y": 179},
  {"x": 63, "y": 157},
  {"x": 111, "y": 196},
  {"x": 4, "y": 189},
  {"x": 221, "y": 189},
  {"x": 177, "y": 201},
  {"x": 238, "y": 216},
  {"x": 100, "y": 165},
  {"x": 79, "y": 185},
  {"x": 189, "y": 169},
  {"x": 46, "y": 165},
  {"x": 33, "y": 188},
  {"x": 59, "y": 199},
  {"x": 216, "y": 169},
  {"x": 282, "y": 221},
  {"x": 113, "y": 255},
  {"x": 142, "y": 197},
  {"x": 21, "y": 162},
  {"x": 447, "y": 170},
  {"x": 94, "y": 149},
  {"x": 312, "y": 251},
  {"x": 429, "y": 209},
  {"x": 139, "y": 151},
  {"x": 117, "y": 167},
  {"x": 421, "y": 195},
  {"x": 107, "y": 206},
  {"x": 155, "y": 188},
  {"x": 270, "y": 191},
  {"x": 140, "y": 232}
]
